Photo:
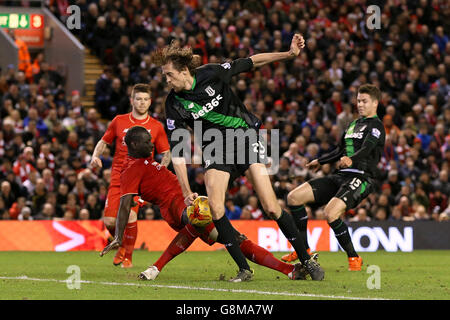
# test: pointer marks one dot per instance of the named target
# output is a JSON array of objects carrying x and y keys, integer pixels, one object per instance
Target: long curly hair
[{"x": 181, "y": 58}]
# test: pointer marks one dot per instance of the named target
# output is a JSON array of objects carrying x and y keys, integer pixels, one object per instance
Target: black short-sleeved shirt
[{"x": 211, "y": 101}]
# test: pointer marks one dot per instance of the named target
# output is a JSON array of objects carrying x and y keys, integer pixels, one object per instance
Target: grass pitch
[{"x": 422, "y": 274}]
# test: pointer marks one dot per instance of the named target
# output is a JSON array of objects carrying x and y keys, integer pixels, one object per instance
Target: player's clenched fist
[
  {"x": 297, "y": 44},
  {"x": 190, "y": 198},
  {"x": 345, "y": 162},
  {"x": 96, "y": 162}
]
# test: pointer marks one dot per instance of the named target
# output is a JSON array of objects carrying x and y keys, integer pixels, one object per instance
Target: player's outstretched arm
[
  {"x": 179, "y": 165},
  {"x": 121, "y": 222},
  {"x": 297, "y": 44}
]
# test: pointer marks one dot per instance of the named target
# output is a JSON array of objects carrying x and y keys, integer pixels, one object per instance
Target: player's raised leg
[
  {"x": 266, "y": 195},
  {"x": 333, "y": 210},
  {"x": 216, "y": 182}
]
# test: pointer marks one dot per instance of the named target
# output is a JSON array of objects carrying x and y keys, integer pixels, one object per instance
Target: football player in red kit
[
  {"x": 156, "y": 184},
  {"x": 140, "y": 101}
]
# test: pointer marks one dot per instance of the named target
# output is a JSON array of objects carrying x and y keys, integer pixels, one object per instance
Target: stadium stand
[{"x": 310, "y": 99}]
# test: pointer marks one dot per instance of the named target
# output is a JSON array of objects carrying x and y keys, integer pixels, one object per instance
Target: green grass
[{"x": 416, "y": 275}]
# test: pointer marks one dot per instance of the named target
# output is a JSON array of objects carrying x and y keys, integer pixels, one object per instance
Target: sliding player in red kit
[
  {"x": 140, "y": 101},
  {"x": 156, "y": 184}
]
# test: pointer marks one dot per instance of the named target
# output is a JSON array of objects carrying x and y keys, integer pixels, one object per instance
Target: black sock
[
  {"x": 343, "y": 236},
  {"x": 287, "y": 226},
  {"x": 301, "y": 221},
  {"x": 228, "y": 238}
]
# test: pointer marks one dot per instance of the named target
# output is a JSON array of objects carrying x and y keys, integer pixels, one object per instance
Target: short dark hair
[
  {"x": 371, "y": 90},
  {"x": 180, "y": 57},
  {"x": 134, "y": 134},
  {"x": 141, "y": 87}
]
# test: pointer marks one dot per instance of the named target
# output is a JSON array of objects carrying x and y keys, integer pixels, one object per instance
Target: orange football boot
[
  {"x": 126, "y": 263},
  {"x": 355, "y": 263},
  {"x": 119, "y": 257},
  {"x": 291, "y": 257}
]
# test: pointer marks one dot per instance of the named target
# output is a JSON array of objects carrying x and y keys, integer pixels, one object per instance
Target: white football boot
[{"x": 150, "y": 274}]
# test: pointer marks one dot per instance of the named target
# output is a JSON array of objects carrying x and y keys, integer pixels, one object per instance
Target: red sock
[
  {"x": 129, "y": 239},
  {"x": 179, "y": 244},
  {"x": 264, "y": 258}
]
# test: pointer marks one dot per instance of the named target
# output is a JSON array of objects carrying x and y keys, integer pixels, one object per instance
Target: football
[{"x": 199, "y": 213}]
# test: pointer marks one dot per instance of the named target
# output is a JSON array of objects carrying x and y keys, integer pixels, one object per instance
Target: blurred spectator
[
  {"x": 6, "y": 194},
  {"x": 404, "y": 205},
  {"x": 360, "y": 216},
  {"x": 198, "y": 183},
  {"x": 232, "y": 211},
  {"x": 421, "y": 213},
  {"x": 94, "y": 207},
  {"x": 68, "y": 215},
  {"x": 23, "y": 54},
  {"x": 25, "y": 214},
  {"x": 103, "y": 93},
  {"x": 47, "y": 212},
  {"x": 380, "y": 214},
  {"x": 394, "y": 182},
  {"x": 246, "y": 213},
  {"x": 84, "y": 214},
  {"x": 149, "y": 214},
  {"x": 241, "y": 198},
  {"x": 438, "y": 201},
  {"x": 254, "y": 208},
  {"x": 442, "y": 183},
  {"x": 16, "y": 208},
  {"x": 94, "y": 126}
]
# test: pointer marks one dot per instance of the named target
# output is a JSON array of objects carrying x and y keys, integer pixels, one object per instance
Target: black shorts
[
  {"x": 351, "y": 188},
  {"x": 236, "y": 155}
]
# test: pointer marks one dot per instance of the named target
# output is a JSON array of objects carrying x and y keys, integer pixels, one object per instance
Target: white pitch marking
[{"x": 311, "y": 295}]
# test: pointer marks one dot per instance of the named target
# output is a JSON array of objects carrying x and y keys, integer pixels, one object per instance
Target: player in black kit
[
  {"x": 357, "y": 155},
  {"x": 203, "y": 95}
]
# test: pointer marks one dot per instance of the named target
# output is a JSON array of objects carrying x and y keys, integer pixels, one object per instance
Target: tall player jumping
[
  {"x": 140, "y": 101},
  {"x": 156, "y": 184},
  {"x": 203, "y": 96}
]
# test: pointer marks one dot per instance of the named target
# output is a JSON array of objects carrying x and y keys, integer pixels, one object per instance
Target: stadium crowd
[{"x": 47, "y": 137}]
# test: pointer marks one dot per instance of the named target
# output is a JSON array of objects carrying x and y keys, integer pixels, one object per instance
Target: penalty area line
[{"x": 269, "y": 293}]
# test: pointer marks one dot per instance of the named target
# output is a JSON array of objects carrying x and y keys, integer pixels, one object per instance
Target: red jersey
[
  {"x": 155, "y": 184},
  {"x": 116, "y": 132}
]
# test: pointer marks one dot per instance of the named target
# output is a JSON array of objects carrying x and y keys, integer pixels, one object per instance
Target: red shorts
[{"x": 113, "y": 202}]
